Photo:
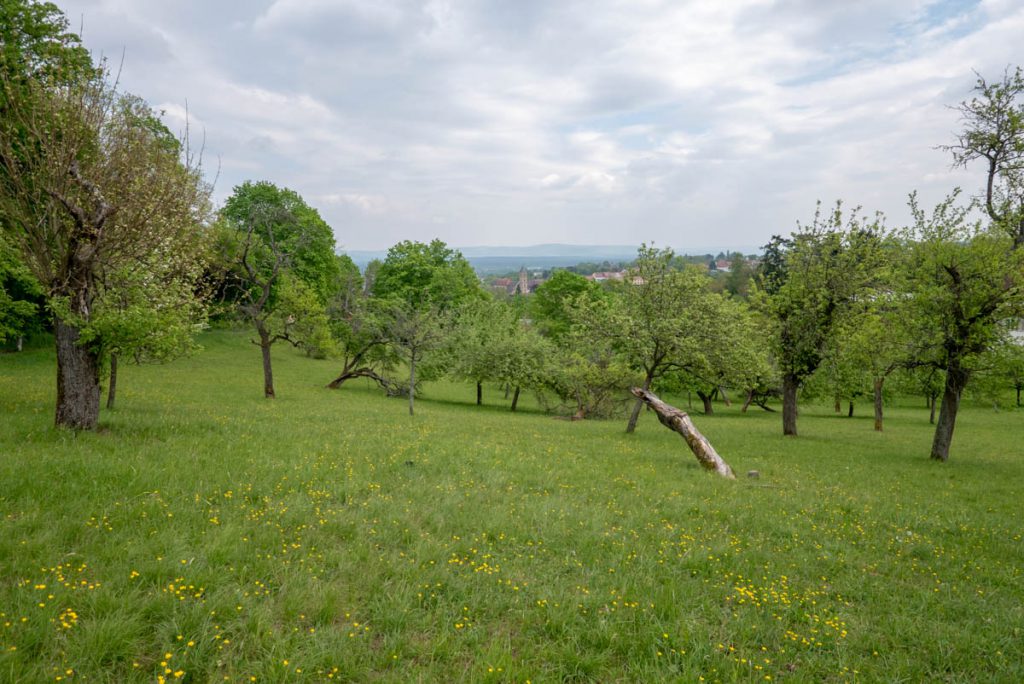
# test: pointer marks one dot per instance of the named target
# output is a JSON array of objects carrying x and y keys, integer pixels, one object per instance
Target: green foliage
[
  {"x": 964, "y": 282},
  {"x": 551, "y": 305},
  {"x": 20, "y": 296},
  {"x": 490, "y": 342},
  {"x": 426, "y": 275},
  {"x": 288, "y": 226},
  {"x": 35, "y": 44},
  {"x": 826, "y": 267}
]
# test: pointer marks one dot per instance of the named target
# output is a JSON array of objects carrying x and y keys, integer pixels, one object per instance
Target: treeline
[{"x": 110, "y": 241}]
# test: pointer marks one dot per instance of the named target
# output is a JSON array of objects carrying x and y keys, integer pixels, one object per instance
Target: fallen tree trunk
[{"x": 680, "y": 422}]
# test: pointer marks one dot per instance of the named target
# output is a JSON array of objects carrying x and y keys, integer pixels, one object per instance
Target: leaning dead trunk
[
  {"x": 790, "y": 385},
  {"x": 112, "y": 387},
  {"x": 680, "y": 422},
  {"x": 78, "y": 381}
]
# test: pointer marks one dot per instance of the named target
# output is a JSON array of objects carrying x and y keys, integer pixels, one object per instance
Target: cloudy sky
[{"x": 513, "y": 122}]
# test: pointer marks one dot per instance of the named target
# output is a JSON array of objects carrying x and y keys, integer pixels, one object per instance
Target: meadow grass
[{"x": 206, "y": 534}]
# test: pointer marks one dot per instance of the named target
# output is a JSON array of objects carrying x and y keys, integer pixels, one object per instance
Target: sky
[{"x": 686, "y": 123}]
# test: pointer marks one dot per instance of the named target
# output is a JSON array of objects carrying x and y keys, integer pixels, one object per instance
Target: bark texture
[
  {"x": 78, "y": 381},
  {"x": 112, "y": 387},
  {"x": 680, "y": 422},
  {"x": 790, "y": 385},
  {"x": 956, "y": 380},
  {"x": 635, "y": 415},
  {"x": 268, "y": 371}
]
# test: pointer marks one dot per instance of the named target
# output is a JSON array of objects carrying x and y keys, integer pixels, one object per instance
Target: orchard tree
[
  {"x": 426, "y": 275},
  {"x": 421, "y": 287},
  {"x": 88, "y": 187},
  {"x": 808, "y": 281},
  {"x": 551, "y": 305},
  {"x": 965, "y": 281},
  {"x": 280, "y": 267}
]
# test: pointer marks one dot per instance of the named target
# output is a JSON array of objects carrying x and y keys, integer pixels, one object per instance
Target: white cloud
[{"x": 686, "y": 123}]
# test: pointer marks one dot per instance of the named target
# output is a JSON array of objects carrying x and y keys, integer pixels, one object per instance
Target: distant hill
[{"x": 502, "y": 259}]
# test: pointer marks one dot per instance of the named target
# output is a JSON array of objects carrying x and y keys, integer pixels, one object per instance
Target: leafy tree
[
  {"x": 965, "y": 280},
  {"x": 826, "y": 266},
  {"x": 415, "y": 332},
  {"x": 88, "y": 187},
  {"x": 421, "y": 287},
  {"x": 271, "y": 255},
  {"x": 425, "y": 275},
  {"x": 587, "y": 372},
  {"x": 295, "y": 228},
  {"x": 552, "y": 303},
  {"x": 662, "y": 320}
]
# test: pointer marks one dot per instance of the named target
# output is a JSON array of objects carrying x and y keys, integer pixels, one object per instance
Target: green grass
[{"x": 328, "y": 536}]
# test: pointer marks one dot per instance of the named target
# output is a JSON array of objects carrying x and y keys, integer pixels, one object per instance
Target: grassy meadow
[{"x": 205, "y": 534}]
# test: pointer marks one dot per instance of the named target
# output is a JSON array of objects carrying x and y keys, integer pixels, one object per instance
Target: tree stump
[{"x": 679, "y": 421}]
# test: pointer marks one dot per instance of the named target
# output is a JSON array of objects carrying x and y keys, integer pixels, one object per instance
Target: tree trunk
[
  {"x": 112, "y": 388},
  {"x": 790, "y": 385},
  {"x": 725, "y": 397},
  {"x": 680, "y": 422},
  {"x": 412, "y": 381},
  {"x": 515, "y": 398},
  {"x": 268, "y": 371},
  {"x": 78, "y": 381},
  {"x": 838, "y": 406},
  {"x": 508, "y": 388},
  {"x": 956, "y": 380},
  {"x": 849, "y": 413},
  {"x": 878, "y": 403},
  {"x": 706, "y": 400},
  {"x": 20, "y": 342},
  {"x": 747, "y": 401},
  {"x": 635, "y": 415},
  {"x": 479, "y": 394},
  {"x": 931, "y": 406}
]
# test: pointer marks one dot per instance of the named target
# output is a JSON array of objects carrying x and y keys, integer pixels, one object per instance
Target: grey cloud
[{"x": 613, "y": 121}]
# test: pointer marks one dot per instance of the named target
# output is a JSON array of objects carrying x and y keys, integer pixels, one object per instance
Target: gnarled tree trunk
[
  {"x": 956, "y": 380},
  {"x": 78, "y": 381},
  {"x": 706, "y": 400},
  {"x": 680, "y": 422},
  {"x": 268, "y": 371}
]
